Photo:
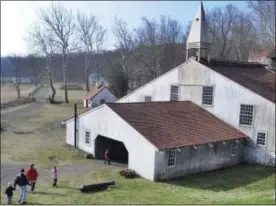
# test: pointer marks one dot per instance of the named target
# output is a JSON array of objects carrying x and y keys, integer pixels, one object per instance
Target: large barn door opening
[{"x": 116, "y": 149}]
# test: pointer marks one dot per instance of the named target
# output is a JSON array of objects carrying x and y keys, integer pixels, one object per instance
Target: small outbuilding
[
  {"x": 159, "y": 140},
  {"x": 98, "y": 96}
]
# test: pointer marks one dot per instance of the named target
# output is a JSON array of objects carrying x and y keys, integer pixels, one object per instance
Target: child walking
[
  {"x": 55, "y": 176},
  {"x": 106, "y": 157},
  {"x": 9, "y": 193}
]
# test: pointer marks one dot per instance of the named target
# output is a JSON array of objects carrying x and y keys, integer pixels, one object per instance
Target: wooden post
[{"x": 75, "y": 126}]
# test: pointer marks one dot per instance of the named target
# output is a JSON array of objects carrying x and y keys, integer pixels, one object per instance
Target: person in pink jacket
[{"x": 55, "y": 176}]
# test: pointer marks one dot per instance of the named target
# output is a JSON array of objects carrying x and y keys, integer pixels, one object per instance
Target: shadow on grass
[
  {"x": 49, "y": 193},
  {"x": 67, "y": 187},
  {"x": 224, "y": 179},
  {"x": 123, "y": 165}
]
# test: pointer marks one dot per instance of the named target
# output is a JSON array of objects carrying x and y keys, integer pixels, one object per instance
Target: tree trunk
[
  {"x": 36, "y": 80},
  {"x": 65, "y": 78},
  {"x": 86, "y": 73},
  {"x": 65, "y": 87},
  {"x": 17, "y": 87},
  {"x": 52, "y": 87}
]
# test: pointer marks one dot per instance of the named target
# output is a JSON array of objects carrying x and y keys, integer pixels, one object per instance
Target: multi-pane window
[
  {"x": 246, "y": 114},
  {"x": 87, "y": 137},
  {"x": 207, "y": 95},
  {"x": 171, "y": 157},
  {"x": 147, "y": 98},
  {"x": 261, "y": 136},
  {"x": 174, "y": 93},
  {"x": 234, "y": 148},
  {"x": 102, "y": 101}
]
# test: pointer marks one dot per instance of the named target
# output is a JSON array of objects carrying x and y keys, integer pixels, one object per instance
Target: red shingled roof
[
  {"x": 175, "y": 124},
  {"x": 251, "y": 75},
  {"x": 93, "y": 92}
]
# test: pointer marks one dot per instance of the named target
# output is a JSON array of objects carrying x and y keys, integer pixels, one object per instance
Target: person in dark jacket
[
  {"x": 9, "y": 193},
  {"x": 22, "y": 181}
]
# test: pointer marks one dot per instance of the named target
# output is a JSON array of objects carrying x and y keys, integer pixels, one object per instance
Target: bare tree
[
  {"x": 42, "y": 41},
  {"x": 243, "y": 36},
  {"x": 221, "y": 24},
  {"x": 158, "y": 43},
  {"x": 264, "y": 13},
  {"x": 60, "y": 21},
  {"x": 34, "y": 64},
  {"x": 91, "y": 35},
  {"x": 16, "y": 66},
  {"x": 172, "y": 38},
  {"x": 126, "y": 47},
  {"x": 150, "y": 47}
]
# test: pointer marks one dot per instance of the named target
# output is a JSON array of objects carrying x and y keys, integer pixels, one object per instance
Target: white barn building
[
  {"x": 98, "y": 96},
  {"x": 140, "y": 135},
  {"x": 193, "y": 118},
  {"x": 239, "y": 93}
]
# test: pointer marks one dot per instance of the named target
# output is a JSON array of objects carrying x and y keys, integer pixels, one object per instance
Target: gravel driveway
[{"x": 9, "y": 171}]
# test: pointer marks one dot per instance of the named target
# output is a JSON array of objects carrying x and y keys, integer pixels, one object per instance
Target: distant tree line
[{"x": 68, "y": 48}]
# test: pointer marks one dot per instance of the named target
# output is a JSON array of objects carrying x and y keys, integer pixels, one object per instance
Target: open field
[
  {"x": 247, "y": 184},
  {"x": 43, "y": 146},
  {"x": 75, "y": 96},
  {"x": 45, "y": 135},
  {"x": 8, "y": 91}
]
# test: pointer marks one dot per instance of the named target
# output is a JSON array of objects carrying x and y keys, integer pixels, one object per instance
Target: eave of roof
[{"x": 92, "y": 93}]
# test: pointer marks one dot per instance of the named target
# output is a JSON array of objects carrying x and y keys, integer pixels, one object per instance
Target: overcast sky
[{"x": 18, "y": 16}]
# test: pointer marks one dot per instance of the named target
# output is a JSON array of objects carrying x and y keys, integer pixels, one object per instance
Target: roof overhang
[{"x": 84, "y": 113}]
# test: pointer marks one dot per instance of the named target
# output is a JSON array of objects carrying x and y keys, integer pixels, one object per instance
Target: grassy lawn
[
  {"x": 45, "y": 139},
  {"x": 8, "y": 91},
  {"x": 73, "y": 95},
  {"x": 245, "y": 184}
]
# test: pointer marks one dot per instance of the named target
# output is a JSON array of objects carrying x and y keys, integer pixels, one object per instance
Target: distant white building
[
  {"x": 263, "y": 57},
  {"x": 98, "y": 96},
  {"x": 94, "y": 81}
]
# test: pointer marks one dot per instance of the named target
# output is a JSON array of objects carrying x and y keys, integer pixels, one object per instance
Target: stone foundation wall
[{"x": 259, "y": 155}]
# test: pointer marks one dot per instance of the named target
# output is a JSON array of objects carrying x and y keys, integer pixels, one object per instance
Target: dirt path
[
  {"x": 10, "y": 114},
  {"x": 9, "y": 171}
]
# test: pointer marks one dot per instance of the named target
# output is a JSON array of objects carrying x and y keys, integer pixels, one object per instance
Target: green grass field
[
  {"x": 8, "y": 91},
  {"x": 46, "y": 136},
  {"x": 246, "y": 184},
  {"x": 75, "y": 96}
]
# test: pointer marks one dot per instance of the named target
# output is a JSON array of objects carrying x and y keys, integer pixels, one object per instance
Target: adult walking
[
  {"x": 22, "y": 181},
  {"x": 32, "y": 175}
]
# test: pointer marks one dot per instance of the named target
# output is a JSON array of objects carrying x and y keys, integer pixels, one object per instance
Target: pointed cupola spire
[{"x": 199, "y": 39}]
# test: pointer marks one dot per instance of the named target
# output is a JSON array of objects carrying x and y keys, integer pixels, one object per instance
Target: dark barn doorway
[{"x": 117, "y": 150}]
